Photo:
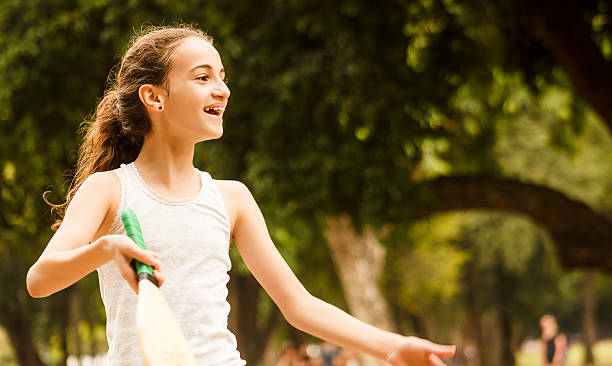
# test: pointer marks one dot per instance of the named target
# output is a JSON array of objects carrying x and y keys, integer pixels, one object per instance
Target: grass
[{"x": 575, "y": 356}]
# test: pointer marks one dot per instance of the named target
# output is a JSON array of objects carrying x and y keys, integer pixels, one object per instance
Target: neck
[
  {"x": 167, "y": 164},
  {"x": 549, "y": 334}
]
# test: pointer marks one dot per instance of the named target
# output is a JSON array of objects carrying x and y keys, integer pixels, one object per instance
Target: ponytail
[
  {"x": 108, "y": 143},
  {"x": 116, "y": 132}
]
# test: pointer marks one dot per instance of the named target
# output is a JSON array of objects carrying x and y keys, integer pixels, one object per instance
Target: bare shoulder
[
  {"x": 96, "y": 200},
  {"x": 231, "y": 186},
  {"x": 103, "y": 185},
  {"x": 235, "y": 194},
  {"x": 108, "y": 178}
]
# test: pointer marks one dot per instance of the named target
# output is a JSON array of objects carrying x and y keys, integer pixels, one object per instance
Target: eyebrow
[{"x": 206, "y": 66}]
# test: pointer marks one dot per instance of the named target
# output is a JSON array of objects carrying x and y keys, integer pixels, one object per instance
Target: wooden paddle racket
[{"x": 162, "y": 342}]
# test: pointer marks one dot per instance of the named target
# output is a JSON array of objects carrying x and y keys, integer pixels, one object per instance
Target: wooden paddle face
[{"x": 161, "y": 340}]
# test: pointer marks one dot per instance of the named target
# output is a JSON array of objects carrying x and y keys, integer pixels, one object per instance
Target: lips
[{"x": 215, "y": 109}]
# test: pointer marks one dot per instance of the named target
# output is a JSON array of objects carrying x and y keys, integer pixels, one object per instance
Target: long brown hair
[{"x": 115, "y": 133}]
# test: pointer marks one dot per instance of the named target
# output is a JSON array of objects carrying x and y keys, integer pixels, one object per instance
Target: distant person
[
  {"x": 347, "y": 357},
  {"x": 329, "y": 351},
  {"x": 288, "y": 355},
  {"x": 302, "y": 355},
  {"x": 554, "y": 344}
]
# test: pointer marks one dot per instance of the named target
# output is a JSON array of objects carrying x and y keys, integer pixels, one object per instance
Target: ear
[{"x": 151, "y": 96}]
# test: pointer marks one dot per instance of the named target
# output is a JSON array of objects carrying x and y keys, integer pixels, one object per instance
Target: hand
[
  {"x": 122, "y": 250},
  {"x": 413, "y": 351}
]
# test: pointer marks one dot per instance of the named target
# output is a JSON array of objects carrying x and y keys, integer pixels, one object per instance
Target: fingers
[
  {"x": 127, "y": 272},
  {"x": 433, "y": 360},
  {"x": 442, "y": 351},
  {"x": 157, "y": 272},
  {"x": 156, "y": 263},
  {"x": 125, "y": 250},
  {"x": 143, "y": 256},
  {"x": 159, "y": 277},
  {"x": 152, "y": 259}
]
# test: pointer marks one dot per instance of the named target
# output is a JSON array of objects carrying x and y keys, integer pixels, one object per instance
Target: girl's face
[{"x": 196, "y": 92}]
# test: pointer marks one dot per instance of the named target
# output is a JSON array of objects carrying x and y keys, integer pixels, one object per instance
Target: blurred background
[{"x": 441, "y": 168}]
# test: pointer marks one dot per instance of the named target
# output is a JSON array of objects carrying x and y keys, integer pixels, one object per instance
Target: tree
[
  {"x": 509, "y": 266},
  {"x": 578, "y": 36},
  {"x": 337, "y": 110},
  {"x": 354, "y": 139}
]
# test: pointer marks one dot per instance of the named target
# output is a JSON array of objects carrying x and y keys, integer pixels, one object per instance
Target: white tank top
[{"x": 192, "y": 237}]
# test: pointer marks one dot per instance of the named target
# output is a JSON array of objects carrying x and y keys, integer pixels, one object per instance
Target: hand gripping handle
[{"x": 133, "y": 230}]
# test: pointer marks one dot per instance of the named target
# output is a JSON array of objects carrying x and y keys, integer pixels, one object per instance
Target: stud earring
[{"x": 160, "y": 107}]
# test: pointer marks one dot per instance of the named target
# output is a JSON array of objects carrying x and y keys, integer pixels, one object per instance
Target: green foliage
[
  {"x": 511, "y": 263},
  {"x": 339, "y": 107},
  {"x": 423, "y": 271},
  {"x": 452, "y": 264},
  {"x": 326, "y": 138},
  {"x": 540, "y": 145}
]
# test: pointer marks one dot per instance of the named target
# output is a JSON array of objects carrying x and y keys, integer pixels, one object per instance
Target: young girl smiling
[{"x": 168, "y": 94}]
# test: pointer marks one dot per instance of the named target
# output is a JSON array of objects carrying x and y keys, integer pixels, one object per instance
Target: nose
[{"x": 221, "y": 90}]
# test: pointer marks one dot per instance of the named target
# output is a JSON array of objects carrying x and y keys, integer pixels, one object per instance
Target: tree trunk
[
  {"x": 507, "y": 353},
  {"x": 19, "y": 327},
  {"x": 63, "y": 330},
  {"x": 560, "y": 26},
  {"x": 74, "y": 311},
  {"x": 589, "y": 331},
  {"x": 505, "y": 289},
  {"x": 474, "y": 316},
  {"x": 485, "y": 327},
  {"x": 359, "y": 259},
  {"x": 582, "y": 236},
  {"x": 402, "y": 317}
]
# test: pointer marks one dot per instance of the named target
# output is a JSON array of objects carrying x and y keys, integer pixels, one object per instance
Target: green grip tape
[{"x": 133, "y": 230}]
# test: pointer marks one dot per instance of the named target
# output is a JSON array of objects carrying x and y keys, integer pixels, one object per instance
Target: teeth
[{"x": 216, "y": 110}]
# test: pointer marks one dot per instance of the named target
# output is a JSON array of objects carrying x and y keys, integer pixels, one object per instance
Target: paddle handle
[{"x": 133, "y": 230}]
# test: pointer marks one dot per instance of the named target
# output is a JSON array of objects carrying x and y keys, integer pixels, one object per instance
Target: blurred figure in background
[
  {"x": 329, "y": 352},
  {"x": 303, "y": 359},
  {"x": 288, "y": 355},
  {"x": 554, "y": 344},
  {"x": 346, "y": 358}
]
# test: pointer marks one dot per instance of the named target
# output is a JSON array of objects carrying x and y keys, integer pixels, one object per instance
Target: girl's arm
[
  {"x": 299, "y": 307},
  {"x": 67, "y": 258}
]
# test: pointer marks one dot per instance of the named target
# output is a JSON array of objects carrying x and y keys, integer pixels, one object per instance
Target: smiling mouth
[{"x": 215, "y": 111}]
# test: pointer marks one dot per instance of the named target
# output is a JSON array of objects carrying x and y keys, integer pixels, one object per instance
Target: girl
[{"x": 170, "y": 94}]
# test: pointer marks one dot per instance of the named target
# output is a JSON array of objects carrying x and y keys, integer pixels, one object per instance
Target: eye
[
  {"x": 203, "y": 78},
  {"x": 226, "y": 80}
]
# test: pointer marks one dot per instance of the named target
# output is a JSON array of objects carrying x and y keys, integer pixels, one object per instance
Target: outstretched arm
[{"x": 300, "y": 308}]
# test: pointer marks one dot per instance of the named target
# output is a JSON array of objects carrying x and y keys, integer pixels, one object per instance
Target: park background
[{"x": 442, "y": 168}]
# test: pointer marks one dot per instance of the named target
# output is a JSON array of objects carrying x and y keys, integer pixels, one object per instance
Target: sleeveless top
[
  {"x": 550, "y": 349},
  {"x": 192, "y": 237}
]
